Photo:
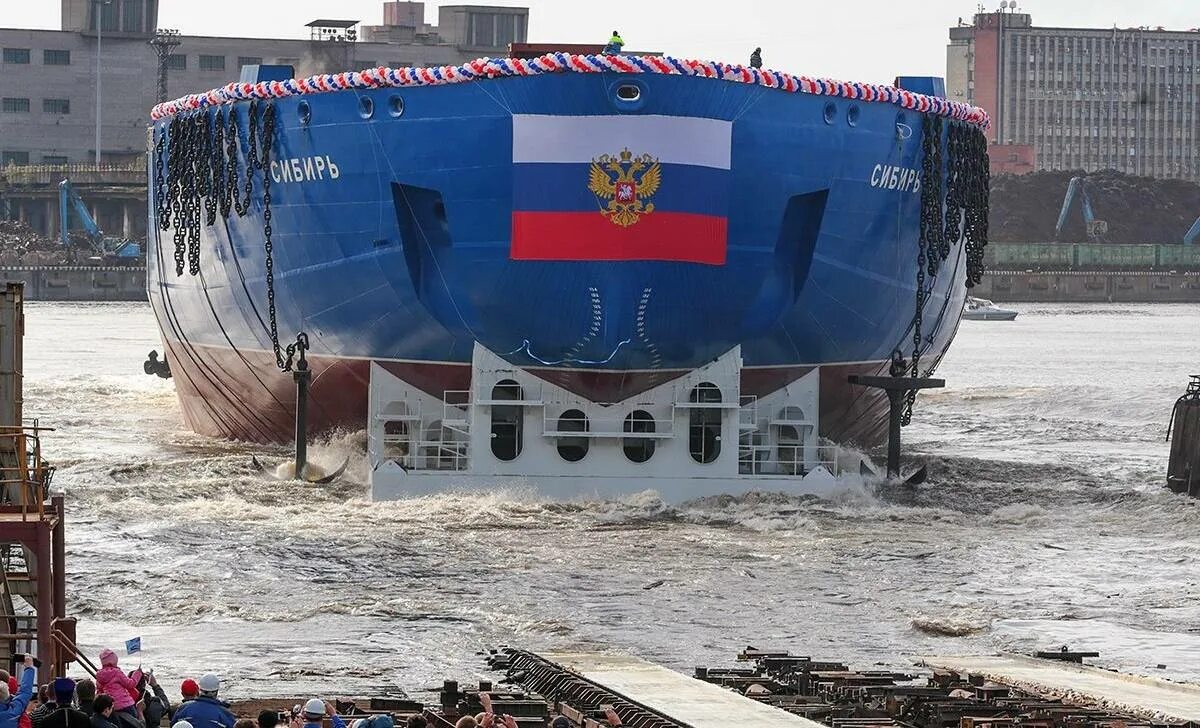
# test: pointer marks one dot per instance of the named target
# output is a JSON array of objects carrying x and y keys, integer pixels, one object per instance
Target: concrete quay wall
[
  {"x": 1072, "y": 286},
  {"x": 78, "y": 283}
]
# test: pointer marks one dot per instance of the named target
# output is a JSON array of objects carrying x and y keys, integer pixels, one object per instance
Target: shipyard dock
[{"x": 776, "y": 689}]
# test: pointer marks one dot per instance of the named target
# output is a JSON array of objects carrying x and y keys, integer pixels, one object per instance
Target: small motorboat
[{"x": 981, "y": 309}]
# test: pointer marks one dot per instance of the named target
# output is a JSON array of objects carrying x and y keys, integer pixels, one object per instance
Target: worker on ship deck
[
  {"x": 756, "y": 58},
  {"x": 615, "y": 44}
]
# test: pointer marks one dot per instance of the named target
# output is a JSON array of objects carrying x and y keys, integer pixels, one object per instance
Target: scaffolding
[{"x": 32, "y": 548}]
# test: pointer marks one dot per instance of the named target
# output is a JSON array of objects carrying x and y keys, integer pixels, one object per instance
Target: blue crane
[
  {"x": 1193, "y": 232},
  {"x": 101, "y": 245},
  {"x": 1096, "y": 229}
]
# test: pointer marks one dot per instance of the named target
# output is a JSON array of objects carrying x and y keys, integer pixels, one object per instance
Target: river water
[{"x": 1044, "y": 522}]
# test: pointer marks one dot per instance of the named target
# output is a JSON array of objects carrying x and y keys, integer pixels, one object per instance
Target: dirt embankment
[{"x": 1024, "y": 208}]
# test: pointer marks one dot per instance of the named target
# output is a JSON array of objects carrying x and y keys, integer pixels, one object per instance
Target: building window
[
  {"x": 508, "y": 420},
  {"x": 16, "y": 55},
  {"x": 639, "y": 449},
  {"x": 483, "y": 29},
  {"x": 53, "y": 159},
  {"x": 177, "y": 62},
  {"x": 212, "y": 63},
  {"x": 109, "y": 15},
  {"x": 56, "y": 58},
  {"x": 56, "y": 106},
  {"x": 15, "y": 106},
  {"x": 249, "y": 61},
  {"x": 7, "y": 158},
  {"x": 573, "y": 448},
  {"x": 505, "y": 30},
  {"x": 131, "y": 16},
  {"x": 704, "y": 423}
]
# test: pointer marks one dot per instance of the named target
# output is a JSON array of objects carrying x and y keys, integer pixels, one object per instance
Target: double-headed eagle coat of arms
[{"x": 627, "y": 183}]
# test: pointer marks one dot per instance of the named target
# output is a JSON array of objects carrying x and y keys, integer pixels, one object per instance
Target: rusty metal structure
[
  {"x": 32, "y": 549},
  {"x": 582, "y": 701},
  {"x": 806, "y": 692},
  {"x": 833, "y": 694}
]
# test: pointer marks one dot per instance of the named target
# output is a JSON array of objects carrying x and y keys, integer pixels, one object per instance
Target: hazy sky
[{"x": 863, "y": 40}]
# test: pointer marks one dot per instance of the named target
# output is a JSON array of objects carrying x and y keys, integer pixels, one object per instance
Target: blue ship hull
[{"x": 392, "y": 224}]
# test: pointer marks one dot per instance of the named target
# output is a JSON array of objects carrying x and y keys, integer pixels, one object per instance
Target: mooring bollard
[{"x": 1183, "y": 468}]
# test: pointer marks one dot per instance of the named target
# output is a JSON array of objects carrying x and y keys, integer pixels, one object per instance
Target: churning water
[{"x": 1044, "y": 522}]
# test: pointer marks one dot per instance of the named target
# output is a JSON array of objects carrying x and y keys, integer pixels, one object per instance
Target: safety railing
[
  {"x": 421, "y": 453},
  {"x": 68, "y": 646},
  {"x": 24, "y": 476},
  {"x": 456, "y": 410},
  {"x": 65, "y": 649},
  {"x": 748, "y": 414},
  {"x": 714, "y": 392},
  {"x": 758, "y": 456},
  {"x": 507, "y": 392}
]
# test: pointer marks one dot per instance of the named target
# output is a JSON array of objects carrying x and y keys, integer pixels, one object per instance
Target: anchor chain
[
  {"x": 956, "y": 178},
  {"x": 283, "y": 362},
  {"x": 160, "y": 192},
  {"x": 975, "y": 217},
  {"x": 931, "y": 210},
  {"x": 251, "y": 155},
  {"x": 203, "y": 180},
  {"x": 199, "y": 189},
  {"x": 954, "y": 210},
  {"x": 932, "y": 196}
]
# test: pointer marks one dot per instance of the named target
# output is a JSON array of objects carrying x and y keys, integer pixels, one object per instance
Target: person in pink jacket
[{"x": 117, "y": 685}]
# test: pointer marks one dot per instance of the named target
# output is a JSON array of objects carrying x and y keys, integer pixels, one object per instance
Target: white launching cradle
[{"x": 690, "y": 436}]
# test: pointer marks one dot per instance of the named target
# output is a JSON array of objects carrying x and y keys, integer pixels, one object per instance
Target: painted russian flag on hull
[{"x": 620, "y": 187}]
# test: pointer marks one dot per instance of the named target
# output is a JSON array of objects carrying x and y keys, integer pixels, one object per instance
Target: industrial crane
[
  {"x": 1096, "y": 229},
  {"x": 1193, "y": 232},
  {"x": 111, "y": 250}
]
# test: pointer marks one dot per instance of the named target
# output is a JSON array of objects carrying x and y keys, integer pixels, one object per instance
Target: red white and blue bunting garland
[{"x": 485, "y": 68}]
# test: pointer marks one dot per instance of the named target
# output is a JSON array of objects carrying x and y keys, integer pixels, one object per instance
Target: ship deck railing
[
  {"x": 758, "y": 456},
  {"x": 427, "y": 454},
  {"x": 24, "y": 475}
]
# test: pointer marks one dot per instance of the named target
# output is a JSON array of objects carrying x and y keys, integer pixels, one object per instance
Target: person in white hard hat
[
  {"x": 206, "y": 711},
  {"x": 315, "y": 710}
]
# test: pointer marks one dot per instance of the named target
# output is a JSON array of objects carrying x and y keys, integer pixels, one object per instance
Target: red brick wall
[
  {"x": 1012, "y": 158},
  {"x": 986, "y": 63}
]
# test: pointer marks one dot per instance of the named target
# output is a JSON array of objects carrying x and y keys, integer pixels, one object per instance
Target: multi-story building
[
  {"x": 49, "y": 96},
  {"x": 1077, "y": 98}
]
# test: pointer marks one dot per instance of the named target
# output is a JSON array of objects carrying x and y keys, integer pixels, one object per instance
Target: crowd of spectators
[{"x": 116, "y": 699}]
